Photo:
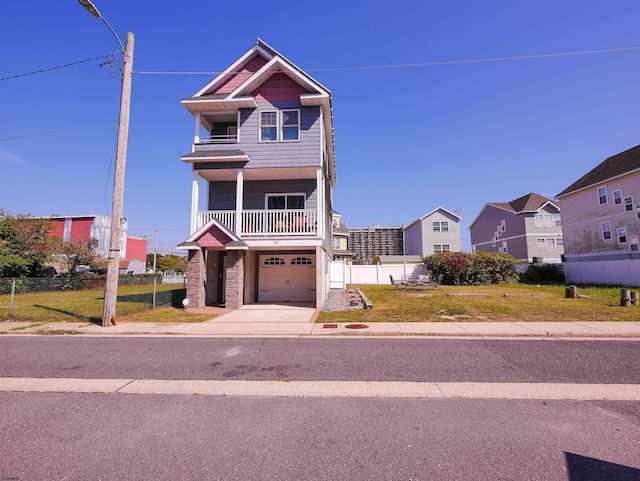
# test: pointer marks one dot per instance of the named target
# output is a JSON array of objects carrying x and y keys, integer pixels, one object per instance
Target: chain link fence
[{"x": 81, "y": 298}]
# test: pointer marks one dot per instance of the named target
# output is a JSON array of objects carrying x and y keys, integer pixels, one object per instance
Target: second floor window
[
  {"x": 602, "y": 195},
  {"x": 279, "y": 125},
  {"x": 442, "y": 226},
  {"x": 285, "y": 201}
]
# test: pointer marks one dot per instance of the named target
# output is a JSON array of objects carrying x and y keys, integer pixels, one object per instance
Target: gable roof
[
  {"x": 432, "y": 212},
  {"x": 233, "y": 88},
  {"x": 531, "y": 202},
  {"x": 615, "y": 166}
]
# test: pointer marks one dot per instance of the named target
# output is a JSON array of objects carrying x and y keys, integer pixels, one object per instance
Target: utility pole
[
  {"x": 155, "y": 277},
  {"x": 115, "y": 241}
]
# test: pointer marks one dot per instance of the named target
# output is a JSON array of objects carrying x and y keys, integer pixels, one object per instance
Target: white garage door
[{"x": 286, "y": 278}]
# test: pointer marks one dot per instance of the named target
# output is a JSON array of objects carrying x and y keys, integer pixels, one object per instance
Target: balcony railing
[
  {"x": 217, "y": 139},
  {"x": 257, "y": 223}
]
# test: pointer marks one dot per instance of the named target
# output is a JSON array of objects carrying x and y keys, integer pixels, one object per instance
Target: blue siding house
[{"x": 263, "y": 142}]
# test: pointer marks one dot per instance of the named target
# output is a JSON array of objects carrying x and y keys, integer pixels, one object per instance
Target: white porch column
[
  {"x": 196, "y": 137},
  {"x": 239, "y": 195},
  {"x": 195, "y": 191},
  {"x": 320, "y": 196}
]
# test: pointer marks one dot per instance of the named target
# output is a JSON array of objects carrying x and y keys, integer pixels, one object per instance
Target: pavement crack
[{"x": 124, "y": 385}]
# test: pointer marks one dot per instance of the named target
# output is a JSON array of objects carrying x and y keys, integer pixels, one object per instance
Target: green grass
[
  {"x": 525, "y": 303},
  {"x": 87, "y": 305},
  {"x": 166, "y": 314}
]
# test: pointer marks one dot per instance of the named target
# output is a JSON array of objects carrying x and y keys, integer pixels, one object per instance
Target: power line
[
  {"x": 58, "y": 131},
  {"x": 422, "y": 64},
  {"x": 112, "y": 55}
]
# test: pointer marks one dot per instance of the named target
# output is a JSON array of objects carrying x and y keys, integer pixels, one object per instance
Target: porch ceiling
[{"x": 259, "y": 174}]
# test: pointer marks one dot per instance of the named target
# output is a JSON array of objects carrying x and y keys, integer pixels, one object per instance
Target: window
[
  {"x": 638, "y": 211},
  {"x": 269, "y": 126},
  {"x": 437, "y": 248},
  {"x": 551, "y": 244},
  {"x": 493, "y": 242},
  {"x": 436, "y": 227},
  {"x": 628, "y": 203},
  {"x": 602, "y": 195},
  {"x": 560, "y": 242},
  {"x": 285, "y": 201},
  {"x": 283, "y": 125},
  {"x": 606, "y": 231},
  {"x": 445, "y": 248},
  {"x": 273, "y": 261},
  {"x": 557, "y": 220},
  {"x": 444, "y": 226},
  {"x": 503, "y": 226},
  {"x": 548, "y": 220},
  {"x": 336, "y": 242},
  {"x": 539, "y": 220},
  {"x": 290, "y": 125},
  {"x": 504, "y": 247},
  {"x": 304, "y": 261},
  {"x": 540, "y": 242},
  {"x": 622, "y": 235},
  {"x": 617, "y": 197},
  {"x": 500, "y": 250}
]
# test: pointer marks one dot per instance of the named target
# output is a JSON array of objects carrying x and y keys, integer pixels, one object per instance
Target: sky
[{"x": 407, "y": 139}]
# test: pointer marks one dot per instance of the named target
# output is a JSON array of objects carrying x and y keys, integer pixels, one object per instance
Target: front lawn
[{"x": 502, "y": 302}]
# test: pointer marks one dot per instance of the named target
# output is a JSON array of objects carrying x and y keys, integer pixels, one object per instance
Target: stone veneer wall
[
  {"x": 196, "y": 276},
  {"x": 234, "y": 279}
]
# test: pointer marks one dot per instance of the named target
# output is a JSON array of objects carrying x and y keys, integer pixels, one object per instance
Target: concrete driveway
[{"x": 298, "y": 312}]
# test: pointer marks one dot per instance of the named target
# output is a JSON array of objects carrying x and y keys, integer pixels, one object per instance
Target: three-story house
[{"x": 263, "y": 143}]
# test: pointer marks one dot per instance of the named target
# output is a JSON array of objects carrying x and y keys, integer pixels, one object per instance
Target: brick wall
[
  {"x": 196, "y": 276},
  {"x": 234, "y": 280}
]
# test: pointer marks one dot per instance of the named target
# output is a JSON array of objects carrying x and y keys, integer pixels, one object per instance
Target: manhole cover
[
  {"x": 356, "y": 326},
  {"x": 330, "y": 326}
]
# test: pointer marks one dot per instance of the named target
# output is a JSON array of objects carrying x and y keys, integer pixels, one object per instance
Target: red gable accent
[
  {"x": 278, "y": 88},
  {"x": 214, "y": 237},
  {"x": 234, "y": 80}
]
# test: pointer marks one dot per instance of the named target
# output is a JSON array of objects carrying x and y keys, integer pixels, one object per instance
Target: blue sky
[{"x": 407, "y": 139}]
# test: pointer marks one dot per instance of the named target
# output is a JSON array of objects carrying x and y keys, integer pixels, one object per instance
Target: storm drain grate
[{"x": 330, "y": 326}]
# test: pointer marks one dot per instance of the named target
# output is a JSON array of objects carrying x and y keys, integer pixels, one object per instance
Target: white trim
[
  {"x": 433, "y": 212},
  {"x": 320, "y": 202},
  {"x": 613, "y": 196},
  {"x": 231, "y": 158},
  {"x": 213, "y": 222},
  {"x": 282, "y": 126},
  {"x": 260, "y": 127},
  {"x": 239, "y": 197},
  {"x": 625, "y": 204},
  {"x": 243, "y": 60},
  {"x": 195, "y": 193},
  {"x": 590, "y": 186},
  {"x": 626, "y": 235}
]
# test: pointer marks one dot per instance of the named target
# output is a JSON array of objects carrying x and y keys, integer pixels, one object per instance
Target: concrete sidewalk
[{"x": 513, "y": 330}]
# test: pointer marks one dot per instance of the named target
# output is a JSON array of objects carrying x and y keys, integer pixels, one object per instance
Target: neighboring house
[
  {"x": 264, "y": 144},
  {"x": 137, "y": 249},
  {"x": 366, "y": 242},
  {"x": 528, "y": 228},
  {"x": 340, "y": 235},
  {"x": 85, "y": 228},
  {"x": 436, "y": 231},
  {"x": 131, "y": 266},
  {"x": 601, "y": 211}
]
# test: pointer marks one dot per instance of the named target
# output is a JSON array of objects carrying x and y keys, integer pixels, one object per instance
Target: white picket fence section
[
  {"x": 620, "y": 272},
  {"x": 341, "y": 273}
]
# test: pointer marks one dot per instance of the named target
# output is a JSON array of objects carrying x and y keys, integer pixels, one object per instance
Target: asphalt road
[
  {"x": 55, "y": 436},
  {"x": 614, "y": 362}
]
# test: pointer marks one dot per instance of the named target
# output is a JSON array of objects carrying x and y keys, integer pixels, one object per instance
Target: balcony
[
  {"x": 265, "y": 223},
  {"x": 229, "y": 138}
]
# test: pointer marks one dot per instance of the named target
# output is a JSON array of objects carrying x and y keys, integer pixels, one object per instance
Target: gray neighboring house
[
  {"x": 529, "y": 228},
  {"x": 263, "y": 142},
  {"x": 434, "y": 232},
  {"x": 601, "y": 211}
]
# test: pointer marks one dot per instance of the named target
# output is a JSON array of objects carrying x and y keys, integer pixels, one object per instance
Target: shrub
[
  {"x": 544, "y": 273},
  {"x": 473, "y": 269}
]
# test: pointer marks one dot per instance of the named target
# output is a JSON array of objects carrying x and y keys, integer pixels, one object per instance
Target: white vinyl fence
[
  {"x": 341, "y": 273},
  {"x": 621, "y": 272}
]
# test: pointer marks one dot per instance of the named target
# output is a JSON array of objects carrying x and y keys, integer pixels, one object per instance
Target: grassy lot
[
  {"x": 87, "y": 305},
  {"x": 521, "y": 303}
]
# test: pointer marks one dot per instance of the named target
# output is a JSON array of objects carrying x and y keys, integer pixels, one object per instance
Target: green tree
[
  {"x": 25, "y": 245},
  {"x": 169, "y": 262}
]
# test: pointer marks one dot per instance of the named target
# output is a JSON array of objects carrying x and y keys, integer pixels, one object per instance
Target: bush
[
  {"x": 475, "y": 269},
  {"x": 544, "y": 273}
]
